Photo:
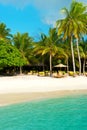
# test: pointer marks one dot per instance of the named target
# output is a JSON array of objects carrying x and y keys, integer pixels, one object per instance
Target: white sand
[
  {"x": 26, "y": 84},
  {"x": 19, "y": 89}
]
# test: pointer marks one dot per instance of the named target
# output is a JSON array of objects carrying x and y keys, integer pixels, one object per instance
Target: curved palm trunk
[
  {"x": 73, "y": 59},
  {"x": 50, "y": 65},
  {"x": 78, "y": 57}
]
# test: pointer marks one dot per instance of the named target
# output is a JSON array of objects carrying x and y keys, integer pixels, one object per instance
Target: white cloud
[
  {"x": 48, "y": 9},
  {"x": 16, "y": 3},
  {"x": 41, "y": 4},
  {"x": 38, "y": 3},
  {"x": 84, "y": 1}
]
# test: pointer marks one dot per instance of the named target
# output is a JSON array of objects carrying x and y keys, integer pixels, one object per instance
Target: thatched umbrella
[{"x": 60, "y": 66}]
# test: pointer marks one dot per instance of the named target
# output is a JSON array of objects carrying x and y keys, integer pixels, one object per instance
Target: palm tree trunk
[
  {"x": 84, "y": 66},
  {"x": 67, "y": 66},
  {"x": 20, "y": 70},
  {"x": 73, "y": 59},
  {"x": 78, "y": 57},
  {"x": 43, "y": 65},
  {"x": 50, "y": 65}
]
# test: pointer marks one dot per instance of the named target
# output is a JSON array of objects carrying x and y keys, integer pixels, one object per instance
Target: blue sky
[{"x": 32, "y": 16}]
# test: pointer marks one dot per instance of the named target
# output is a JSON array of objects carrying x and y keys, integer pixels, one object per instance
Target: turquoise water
[{"x": 67, "y": 113}]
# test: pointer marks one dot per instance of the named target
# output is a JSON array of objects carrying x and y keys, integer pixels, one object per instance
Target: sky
[{"x": 32, "y": 16}]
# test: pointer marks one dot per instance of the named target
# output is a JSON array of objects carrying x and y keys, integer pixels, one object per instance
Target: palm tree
[
  {"x": 79, "y": 14},
  {"x": 66, "y": 53},
  {"x": 65, "y": 27},
  {"x": 48, "y": 45},
  {"x": 4, "y": 32},
  {"x": 83, "y": 45},
  {"x": 73, "y": 25},
  {"x": 23, "y": 43}
]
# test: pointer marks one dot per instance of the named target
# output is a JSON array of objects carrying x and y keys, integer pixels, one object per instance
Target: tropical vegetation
[
  {"x": 66, "y": 43},
  {"x": 73, "y": 26}
]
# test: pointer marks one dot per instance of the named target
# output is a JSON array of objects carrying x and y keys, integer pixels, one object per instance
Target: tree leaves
[{"x": 10, "y": 56}]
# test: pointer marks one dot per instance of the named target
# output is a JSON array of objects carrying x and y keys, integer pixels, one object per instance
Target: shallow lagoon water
[{"x": 66, "y": 113}]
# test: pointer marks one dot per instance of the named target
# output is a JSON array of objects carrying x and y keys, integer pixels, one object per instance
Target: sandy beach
[{"x": 26, "y": 88}]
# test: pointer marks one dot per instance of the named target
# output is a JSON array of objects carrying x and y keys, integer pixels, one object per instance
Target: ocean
[{"x": 65, "y": 113}]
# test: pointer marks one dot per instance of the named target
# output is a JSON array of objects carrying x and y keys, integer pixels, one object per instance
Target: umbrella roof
[{"x": 60, "y": 65}]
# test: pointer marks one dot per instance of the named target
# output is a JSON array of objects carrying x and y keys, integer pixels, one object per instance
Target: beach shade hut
[{"x": 60, "y": 66}]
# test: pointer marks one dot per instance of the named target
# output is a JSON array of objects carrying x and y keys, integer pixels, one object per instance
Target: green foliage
[
  {"x": 4, "y": 33},
  {"x": 23, "y": 42},
  {"x": 75, "y": 21},
  {"x": 10, "y": 56},
  {"x": 56, "y": 45},
  {"x": 73, "y": 26}
]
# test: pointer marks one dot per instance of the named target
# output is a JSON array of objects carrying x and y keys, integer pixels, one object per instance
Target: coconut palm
[
  {"x": 79, "y": 14},
  {"x": 83, "y": 45},
  {"x": 66, "y": 53},
  {"x": 48, "y": 45},
  {"x": 23, "y": 43},
  {"x": 73, "y": 25},
  {"x": 65, "y": 27},
  {"x": 4, "y": 32}
]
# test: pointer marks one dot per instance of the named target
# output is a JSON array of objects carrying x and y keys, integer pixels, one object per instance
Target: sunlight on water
[{"x": 67, "y": 113}]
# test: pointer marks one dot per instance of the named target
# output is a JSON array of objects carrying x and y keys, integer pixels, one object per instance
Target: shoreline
[
  {"x": 18, "y": 89},
  {"x": 15, "y": 98}
]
